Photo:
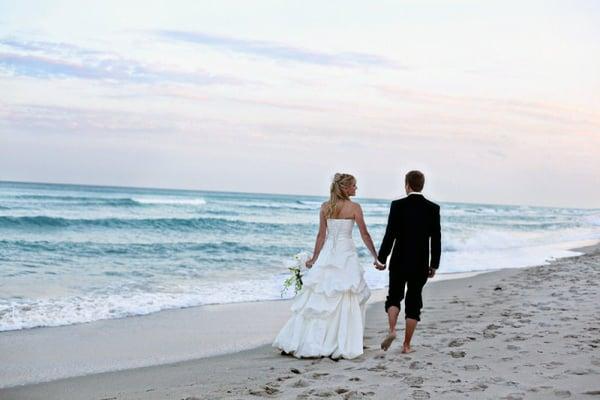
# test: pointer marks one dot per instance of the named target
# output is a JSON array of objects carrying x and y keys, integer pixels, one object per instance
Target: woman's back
[{"x": 329, "y": 312}]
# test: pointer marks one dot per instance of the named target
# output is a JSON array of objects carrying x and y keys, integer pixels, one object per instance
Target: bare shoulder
[
  {"x": 355, "y": 206},
  {"x": 324, "y": 206}
]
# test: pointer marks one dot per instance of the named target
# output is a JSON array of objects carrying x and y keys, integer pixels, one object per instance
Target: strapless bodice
[{"x": 339, "y": 228}]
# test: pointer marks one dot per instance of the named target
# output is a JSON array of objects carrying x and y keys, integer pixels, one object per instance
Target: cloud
[
  {"x": 47, "y": 60},
  {"x": 280, "y": 52},
  {"x": 43, "y": 119},
  {"x": 556, "y": 117},
  {"x": 248, "y": 100},
  {"x": 47, "y": 47}
]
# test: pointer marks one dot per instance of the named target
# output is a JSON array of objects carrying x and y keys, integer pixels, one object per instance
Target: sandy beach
[{"x": 530, "y": 333}]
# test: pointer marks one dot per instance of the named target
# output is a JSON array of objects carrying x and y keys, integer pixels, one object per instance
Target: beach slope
[{"x": 531, "y": 333}]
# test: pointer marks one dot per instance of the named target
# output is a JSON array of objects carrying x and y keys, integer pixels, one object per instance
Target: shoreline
[
  {"x": 201, "y": 332},
  {"x": 581, "y": 246},
  {"x": 121, "y": 351},
  {"x": 278, "y": 310},
  {"x": 133, "y": 376}
]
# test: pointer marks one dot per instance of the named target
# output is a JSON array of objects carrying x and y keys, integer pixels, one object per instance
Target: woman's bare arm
[
  {"x": 320, "y": 237},
  {"x": 364, "y": 232}
]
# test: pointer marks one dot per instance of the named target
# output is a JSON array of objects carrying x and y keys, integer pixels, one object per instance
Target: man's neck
[{"x": 409, "y": 193}]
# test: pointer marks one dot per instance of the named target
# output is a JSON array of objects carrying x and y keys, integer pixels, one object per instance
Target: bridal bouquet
[{"x": 297, "y": 268}]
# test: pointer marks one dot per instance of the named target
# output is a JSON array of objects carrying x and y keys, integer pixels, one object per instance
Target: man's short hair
[{"x": 416, "y": 180}]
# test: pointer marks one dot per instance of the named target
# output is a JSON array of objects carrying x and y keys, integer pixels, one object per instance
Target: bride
[{"x": 329, "y": 312}]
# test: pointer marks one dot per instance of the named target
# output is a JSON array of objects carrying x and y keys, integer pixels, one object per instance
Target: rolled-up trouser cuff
[
  {"x": 392, "y": 303},
  {"x": 413, "y": 316}
]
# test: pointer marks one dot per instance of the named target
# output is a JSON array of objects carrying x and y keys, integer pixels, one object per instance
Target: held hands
[
  {"x": 431, "y": 272},
  {"x": 309, "y": 263},
  {"x": 378, "y": 265}
]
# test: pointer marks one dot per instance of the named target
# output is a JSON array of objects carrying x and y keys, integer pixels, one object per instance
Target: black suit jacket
[{"x": 412, "y": 223}]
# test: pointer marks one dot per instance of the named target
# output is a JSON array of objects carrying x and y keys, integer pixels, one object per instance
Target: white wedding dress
[{"x": 329, "y": 312}]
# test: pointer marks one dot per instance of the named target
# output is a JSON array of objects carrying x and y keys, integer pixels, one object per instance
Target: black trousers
[{"x": 412, "y": 283}]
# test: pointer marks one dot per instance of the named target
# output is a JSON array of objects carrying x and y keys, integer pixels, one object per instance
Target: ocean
[{"x": 73, "y": 254}]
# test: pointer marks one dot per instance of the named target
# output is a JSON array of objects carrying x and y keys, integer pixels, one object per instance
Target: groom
[{"x": 413, "y": 223}]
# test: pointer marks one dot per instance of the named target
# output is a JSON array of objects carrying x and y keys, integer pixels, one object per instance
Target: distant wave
[
  {"x": 112, "y": 201},
  {"x": 301, "y": 205},
  {"x": 44, "y": 197},
  {"x": 167, "y": 201},
  {"x": 218, "y": 224},
  {"x": 593, "y": 219},
  {"x": 309, "y": 203},
  {"x": 146, "y": 249},
  {"x": 288, "y": 206},
  {"x": 81, "y": 200}
]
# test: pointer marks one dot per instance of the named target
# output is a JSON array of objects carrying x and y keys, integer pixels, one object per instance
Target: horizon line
[{"x": 271, "y": 194}]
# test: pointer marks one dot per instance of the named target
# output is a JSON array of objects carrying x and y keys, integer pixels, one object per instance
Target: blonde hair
[{"x": 340, "y": 182}]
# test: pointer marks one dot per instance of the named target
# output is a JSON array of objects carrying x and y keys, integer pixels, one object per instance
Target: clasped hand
[{"x": 378, "y": 265}]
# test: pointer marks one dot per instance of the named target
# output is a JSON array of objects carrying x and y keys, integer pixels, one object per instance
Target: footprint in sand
[
  {"x": 300, "y": 383},
  {"x": 579, "y": 371},
  {"x": 570, "y": 337},
  {"x": 355, "y": 395},
  {"x": 562, "y": 393},
  {"x": 264, "y": 391},
  {"x": 456, "y": 343},
  {"x": 416, "y": 365},
  {"x": 420, "y": 395},
  {"x": 394, "y": 374},
  {"x": 553, "y": 364},
  {"x": 341, "y": 390},
  {"x": 458, "y": 354},
  {"x": 514, "y": 396},
  {"x": 272, "y": 385},
  {"x": 377, "y": 368},
  {"x": 414, "y": 381},
  {"x": 312, "y": 393},
  {"x": 319, "y": 375},
  {"x": 517, "y": 338},
  {"x": 480, "y": 387}
]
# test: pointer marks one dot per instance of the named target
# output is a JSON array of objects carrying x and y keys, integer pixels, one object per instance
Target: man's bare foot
[
  {"x": 406, "y": 348},
  {"x": 387, "y": 342}
]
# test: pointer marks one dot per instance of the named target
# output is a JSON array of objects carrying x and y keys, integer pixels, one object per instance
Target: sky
[{"x": 495, "y": 101}]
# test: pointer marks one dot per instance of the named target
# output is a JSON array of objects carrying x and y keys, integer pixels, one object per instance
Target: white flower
[{"x": 297, "y": 269}]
